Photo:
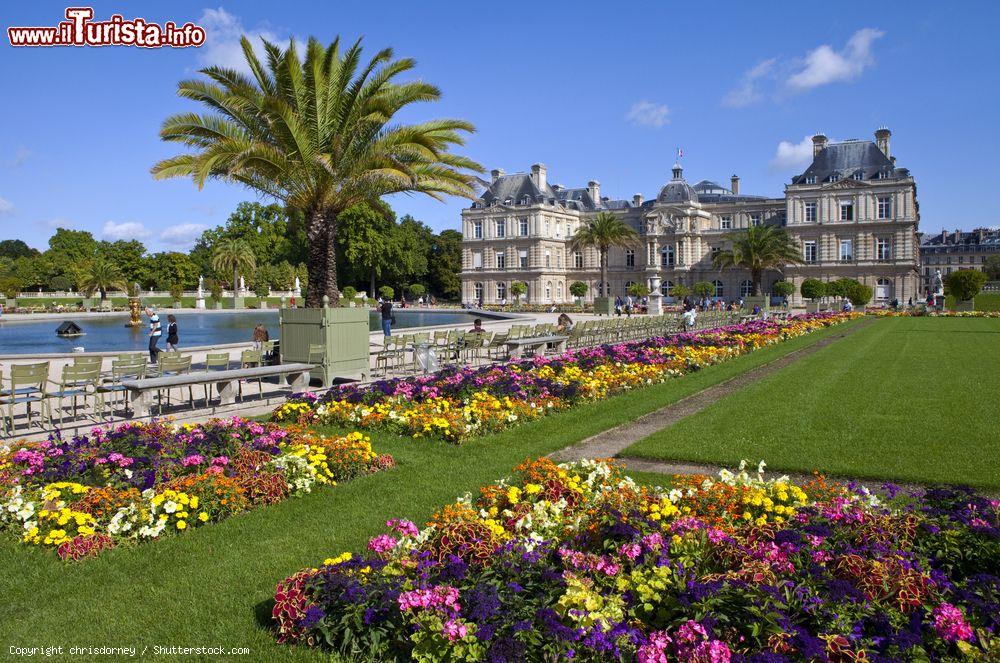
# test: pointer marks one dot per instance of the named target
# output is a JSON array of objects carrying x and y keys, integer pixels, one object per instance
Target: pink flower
[
  {"x": 454, "y": 630},
  {"x": 193, "y": 459},
  {"x": 442, "y": 596},
  {"x": 630, "y": 550},
  {"x": 950, "y": 624},
  {"x": 220, "y": 460},
  {"x": 382, "y": 543},
  {"x": 654, "y": 650},
  {"x": 404, "y": 527}
]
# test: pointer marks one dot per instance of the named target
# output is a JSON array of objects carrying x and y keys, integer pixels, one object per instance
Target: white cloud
[
  {"x": 791, "y": 156},
  {"x": 748, "y": 91},
  {"x": 20, "y": 156},
  {"x": 6, "y": 207},
  {"x": 127, "y": 230},
  {"x": 648, "y": 114},
  {"x": 825, "y": 65},
  {"x": 182, "y": 236},
  {"x": 52, "y": 224},
  {"x": 222, "y": 43}
]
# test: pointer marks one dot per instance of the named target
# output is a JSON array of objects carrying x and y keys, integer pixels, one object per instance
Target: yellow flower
[
  {"x": 181, "y": 524},
  {"x": 203, "y": 516}
]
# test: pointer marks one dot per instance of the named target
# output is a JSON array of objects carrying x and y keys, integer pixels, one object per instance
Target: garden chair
[
  {"x": 497, "y": 348},
  {"x": 89, "y": 361},
  {"x": 252, "y": 359},
  {"x": 215, "y": 361},
  {"x": 121, "y": 369},
  {"x": 389, "y": 358},
  {"x": 78, "y": 382},
  {"x": 174, "y": 365},
  {"x": 27, "y": 385}
]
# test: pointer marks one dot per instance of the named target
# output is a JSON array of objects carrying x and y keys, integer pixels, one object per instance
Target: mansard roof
[
  {"x": 511, "y": 190},
  {"x": 713, "y": 192},
  {"x": 840, "y": 161}
]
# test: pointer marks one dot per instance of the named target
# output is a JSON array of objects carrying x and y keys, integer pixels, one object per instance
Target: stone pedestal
[
  {"x": 199, "y": 303},
  {"x": 655, "y": 297}
]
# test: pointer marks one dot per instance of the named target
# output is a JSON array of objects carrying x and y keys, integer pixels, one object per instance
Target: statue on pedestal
[
  {"x": 243, "y": 286},
  {"x": 200, "y": 302},
  {"x": 937, "y": 283}
]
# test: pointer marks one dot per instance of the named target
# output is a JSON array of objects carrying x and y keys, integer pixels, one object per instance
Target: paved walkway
[{"x": 612, "y": 442}]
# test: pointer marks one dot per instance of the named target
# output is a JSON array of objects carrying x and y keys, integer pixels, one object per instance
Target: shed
[{"x": 69, "y": 328}]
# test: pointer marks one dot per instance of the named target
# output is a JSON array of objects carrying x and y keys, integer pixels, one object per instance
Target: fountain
[{"x": 134, "y": 306}]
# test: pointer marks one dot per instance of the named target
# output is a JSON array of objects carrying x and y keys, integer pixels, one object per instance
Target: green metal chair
[
  {"x": 78, "y": 382},
  {"x": 133, "y": 368},
  {"x": 252, "y": 359},
  {"x": 215, "y": 361},
  {"x": 173, "y": 365},
  {"x": 27, "y": 385}
]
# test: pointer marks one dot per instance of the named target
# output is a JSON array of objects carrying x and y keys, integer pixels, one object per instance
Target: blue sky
[{"x": 593, "y": 90}]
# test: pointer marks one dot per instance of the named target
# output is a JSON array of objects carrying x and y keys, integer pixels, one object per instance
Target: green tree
[
  {"x": 603, "y": 232},
  {"x": 102, "y": 275},
  {"x": 445, "y": 264},
  {"x": 412, "y": 241},
  {"x": 964, "y": 284},
  {"x": 320, "y": 133},
  {"x": 265, "y": 228},
  {"x": 783, "y": 289},
  {"x": 992, "y": 268},
  {"x": 365, "y": 238},
  {"x": 16, "y": 248},
  {"x": 813, "y": 289},
  {"x": 10, "y": 286},
  {"x": 839, "y": 288},
  {"x": 417, "y": 290},
  {"x": 60, "y": 283},
  {"x": 638, "y": 290},
  {"x": 349, "y": 293},
  {"x": 680, "y": 291},
  {"x": 578, "y": 289},
  {"x": 128, "y": 256},
  {"x": 386, "y": 292},
  {"x": 757, "y": 249},
  {"x": 169, "y": 267},
  {"x": 703, "y": 289},
  {"x": 858, "y": 293},
  {"x": 517, "y": 290},
  {"x": 233, "y": 255}
]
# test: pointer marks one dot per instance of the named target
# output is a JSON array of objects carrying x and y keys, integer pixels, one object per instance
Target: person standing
[
  {"x": 386, "y": 311},
  {"x": 154, "y": 333},
  {"x": 171, "y": 332}
]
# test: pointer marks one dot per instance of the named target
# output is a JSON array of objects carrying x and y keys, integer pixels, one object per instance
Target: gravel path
[{"x": 615, "y": 440}]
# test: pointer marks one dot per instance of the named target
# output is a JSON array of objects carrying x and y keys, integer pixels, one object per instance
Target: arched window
[
  {"x": 478, "y": 288},
  {"x": 559, "y": 291},
  {"x": 628, "y": 284},
  {"x": 883, "y": 289},
  {"x": 501, "y": 291},
  {"x": 548, "y": 258},
  {"x": 746, "y": 287},
  {"x": 665, "y": 287},
  {"x": 548, "y": 291},
  {"x": 719, "y": 290},
  {"x": 667, "y": 257}
]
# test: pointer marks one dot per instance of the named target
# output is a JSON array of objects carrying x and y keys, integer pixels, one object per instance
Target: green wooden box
[
  {"x": 343, "y": 332},
  {"x": 604, "y": 305}
]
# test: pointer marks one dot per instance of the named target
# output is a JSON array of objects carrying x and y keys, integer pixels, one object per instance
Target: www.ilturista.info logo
[{"x": 80, "y": 30}]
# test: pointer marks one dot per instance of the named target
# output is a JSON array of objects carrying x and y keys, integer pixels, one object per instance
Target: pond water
[{"x": 109, "y": 333}]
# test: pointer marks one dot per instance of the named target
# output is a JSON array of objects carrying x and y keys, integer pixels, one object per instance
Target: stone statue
[
  {"x": 243, "y": 285},
  {"x": 201, "y": 287},
  {"x": 298, "y": 285},
  {"x": 938, "y": 283}
]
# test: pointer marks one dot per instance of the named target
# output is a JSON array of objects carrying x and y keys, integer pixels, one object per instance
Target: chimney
[
  {"x": 538, "y": 173},
  {"x": 735, "y": 184},
  {"x": 819, "y": 144},
  {"x": 944, "y": 236},
  {"x": 958, "y": 235},
  {"x": 636, "y": 200},
  {"x": 882, "y": 140},
  {"x": 982, "y": 234},
  {"x": 497, "y": 173},
  {"x": 594, "y": 189}
]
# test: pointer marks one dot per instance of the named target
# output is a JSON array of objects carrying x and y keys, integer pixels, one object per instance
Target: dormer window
[
  {"x": 810, "y": 179},
  {"x": 525, "y": 200},
  {"x": 859, "y": 175},
  {"x": 835, "y": 177},
  {"x": 508, "y": 201}
]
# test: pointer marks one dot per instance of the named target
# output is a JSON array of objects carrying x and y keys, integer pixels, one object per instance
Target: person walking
[
  {"x": 171, "y": 332},
  {"x": 386, "y": 311},
  {"x": 154, "y": 333},
  {"x": 260, "y": 336}
]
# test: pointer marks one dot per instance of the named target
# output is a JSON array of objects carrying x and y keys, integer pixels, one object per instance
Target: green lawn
[
  {"x": 212, "y": 586},
  {"x": 908, "y": 399}
]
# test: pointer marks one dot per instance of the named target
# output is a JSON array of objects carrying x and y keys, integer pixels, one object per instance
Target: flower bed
[
  {"x": 458, "y": 403},
  {"x": 924, "y": 313},
  {"x": 578, "y": 562},
  {"x": 136, "y": 482}
]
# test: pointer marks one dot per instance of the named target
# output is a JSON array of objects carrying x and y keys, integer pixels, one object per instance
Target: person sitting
[
  {"x": 564, "y": 323},
  {"x": 477, "y": 327}
]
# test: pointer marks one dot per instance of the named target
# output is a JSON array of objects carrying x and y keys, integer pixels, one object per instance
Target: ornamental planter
[
  {"x": 604, "y": 305},
  {"x": 10, "y": 303},
  {"x": 343, "y": 333},
  {"x": 967, "y": 305},
  {"x": 239, "y": 302}
]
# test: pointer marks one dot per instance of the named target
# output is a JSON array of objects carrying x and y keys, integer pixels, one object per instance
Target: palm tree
[
  {"x": 757, "y": 249},
  {"x": 320, "y": 134},
  {"x": 102, "y": 274},
  {"x": 233, "y": 254},
  {"x": 602, "y": 232}
]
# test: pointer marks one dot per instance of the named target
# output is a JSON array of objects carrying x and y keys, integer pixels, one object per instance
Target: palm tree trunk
[
  {"x": 315, "y": 258},
  {"x": 755, "y": 279},
  {"x": 605, "y": 290},
  {"x": 371, "y": 292},
  {"x": 330, "y": 280}
]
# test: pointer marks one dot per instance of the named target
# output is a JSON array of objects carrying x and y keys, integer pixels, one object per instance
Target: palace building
[{"x": 852, "y": 212}]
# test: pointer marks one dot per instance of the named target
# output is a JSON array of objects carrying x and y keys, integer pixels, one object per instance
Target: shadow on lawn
[{"x": 262, "y": 615}]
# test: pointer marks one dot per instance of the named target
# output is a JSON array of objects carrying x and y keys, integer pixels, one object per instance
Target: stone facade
[
  {"x": 950, "y": 251},
  {"x": 853, "y": 213}
]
